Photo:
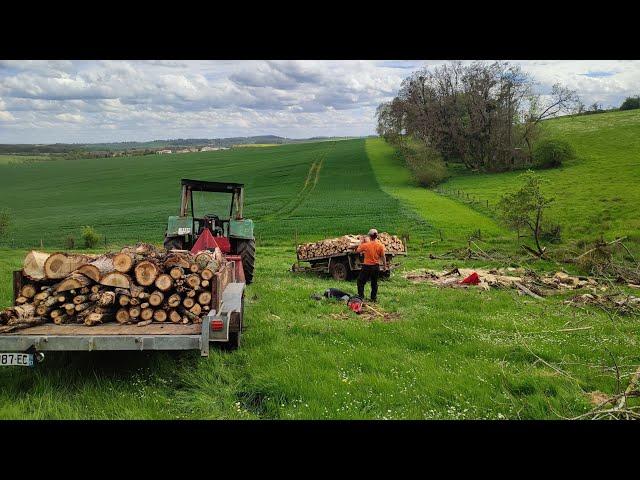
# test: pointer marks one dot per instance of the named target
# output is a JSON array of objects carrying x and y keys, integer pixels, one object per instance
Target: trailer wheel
[{"x": 339, "y": 271}]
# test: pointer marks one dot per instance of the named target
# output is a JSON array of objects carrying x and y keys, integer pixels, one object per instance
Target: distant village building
[
  {"x": 209, "y": 149},
  {"x": 160, "y": 152}
]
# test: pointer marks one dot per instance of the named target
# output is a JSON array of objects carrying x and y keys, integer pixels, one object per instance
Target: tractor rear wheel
[
  {"x": 171, "y": 243},
  {"x": 247, "y": 251}
]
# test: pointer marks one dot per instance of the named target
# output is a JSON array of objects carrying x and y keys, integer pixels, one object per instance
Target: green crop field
[
  {"x": 448, "y": 353},
  {"x": 309, "y": 190},
  {"x": 18, "y": 159}
]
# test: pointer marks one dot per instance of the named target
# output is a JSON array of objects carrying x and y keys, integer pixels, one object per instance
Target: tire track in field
[{"x": 310, "y": 182}]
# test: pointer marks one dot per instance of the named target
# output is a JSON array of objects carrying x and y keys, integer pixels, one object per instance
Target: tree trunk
[
  {"x": 117, "y": 280},
  {"x": 164, "y": 282},
  {"x": 33, "y": 266},
  {"x": 73, "y": 281},
  {"x": 60, "y": 265},
  {"x": 146, "y": 273},
  {"x": 204, "y": 298},
  {"x": 123, "y": 262},
  {"x": 159, "y": 315},
  {"x": 122, "y": 315},
  {"x": 156, "y": 298}
]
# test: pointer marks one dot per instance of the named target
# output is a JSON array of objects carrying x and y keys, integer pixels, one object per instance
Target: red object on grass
[
  {"x": 472, "y": 279},
  {"x": 355, "y": 304},
  {"x": 207, "y": 241}
]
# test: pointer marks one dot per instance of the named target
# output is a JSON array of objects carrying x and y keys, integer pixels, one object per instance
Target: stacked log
[
  {"x": 138, "y": 285},
  {"x": 346, "y": 244}
]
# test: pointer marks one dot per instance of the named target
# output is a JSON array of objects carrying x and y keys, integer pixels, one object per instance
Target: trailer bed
[{"x": 110, "y": 329}]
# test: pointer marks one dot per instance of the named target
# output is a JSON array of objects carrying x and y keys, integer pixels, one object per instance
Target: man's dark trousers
[{"x": 368, "y": 272}]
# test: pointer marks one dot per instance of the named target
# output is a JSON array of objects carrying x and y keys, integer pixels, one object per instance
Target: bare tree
[{"x": 562, "y": 100}]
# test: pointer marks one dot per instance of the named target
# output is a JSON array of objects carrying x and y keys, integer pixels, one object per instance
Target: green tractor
[{"x": 233, "y": 235}]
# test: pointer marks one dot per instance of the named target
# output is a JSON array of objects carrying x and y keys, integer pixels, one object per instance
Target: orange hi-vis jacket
[{"x": 373, "y": 252}]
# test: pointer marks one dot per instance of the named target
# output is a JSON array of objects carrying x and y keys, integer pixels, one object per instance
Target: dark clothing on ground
[
  {"x": 369, "y": 272},
  {"x": 335, "y": 293}
]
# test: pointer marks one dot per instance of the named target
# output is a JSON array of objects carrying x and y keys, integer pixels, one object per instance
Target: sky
[{"x": 121, "y": 100}]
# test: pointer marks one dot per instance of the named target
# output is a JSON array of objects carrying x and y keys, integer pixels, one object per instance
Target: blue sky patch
[{"x": 599, "y": 74}]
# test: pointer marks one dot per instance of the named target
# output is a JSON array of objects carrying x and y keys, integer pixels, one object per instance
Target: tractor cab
[{"x": 233, "y": 234}]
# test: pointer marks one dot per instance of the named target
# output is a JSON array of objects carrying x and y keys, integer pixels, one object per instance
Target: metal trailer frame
[
  {"x": 50, "y": 337},
  {"x": 352, "y": 260}
]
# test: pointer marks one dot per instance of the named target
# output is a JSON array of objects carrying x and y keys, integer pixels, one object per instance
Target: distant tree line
[{"x": 484, "y": 116}]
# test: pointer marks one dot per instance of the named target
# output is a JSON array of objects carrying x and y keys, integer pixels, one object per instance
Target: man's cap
[{"x": 372, "y": 232}]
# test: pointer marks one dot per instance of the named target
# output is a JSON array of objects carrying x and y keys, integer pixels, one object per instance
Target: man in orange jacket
[{"x": 373, "y": 252}]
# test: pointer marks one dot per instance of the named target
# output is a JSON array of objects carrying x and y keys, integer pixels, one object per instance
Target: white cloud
[
  {"x": 70, "y": 117},
  {"x": 85, "y": 101}
]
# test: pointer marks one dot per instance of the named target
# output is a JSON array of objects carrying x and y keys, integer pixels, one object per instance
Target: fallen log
[
  {"x": 146, "y": 273},
  {"x": 60, "y": 265},
  {"x": 116, "y": 280},
  {"x": 33, "y": 266},
  {"x": 164, "y": 282},
  {"x": 123, "y": 262},
  {"x": 122, "y": 315},
  {"x": 156, "y": 298},
  {"x": 28, "y": 291},
  {"x": 160, "y": 315},
  {"x": 73, "y": 281}
]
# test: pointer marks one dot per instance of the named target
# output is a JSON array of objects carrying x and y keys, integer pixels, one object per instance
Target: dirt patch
[
  {"x": 598, "y": 398},
  {"x": 369, "y": 314}
]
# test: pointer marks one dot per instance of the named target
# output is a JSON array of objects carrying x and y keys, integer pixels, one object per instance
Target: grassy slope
[
  {"x": 595, "y": 194},
  {"x": 456, "y": 221},
  {"x": 452, "y": 353}
]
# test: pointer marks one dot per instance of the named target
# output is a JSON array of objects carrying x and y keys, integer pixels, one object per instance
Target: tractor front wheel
[{"x": 247, "y": 251}]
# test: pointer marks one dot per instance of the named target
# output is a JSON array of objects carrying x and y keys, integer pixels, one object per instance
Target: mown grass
[{"x": 450, "y": 354}]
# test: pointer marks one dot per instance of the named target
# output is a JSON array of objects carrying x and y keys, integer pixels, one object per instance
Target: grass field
[
  {"x": 449, "y": 353},
  {"x": 597, "y": 193},
  {"x": 309, "y": 190},
  {"x": 19, "y": 159}
]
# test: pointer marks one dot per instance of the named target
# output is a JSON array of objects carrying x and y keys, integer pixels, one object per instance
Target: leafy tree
[
  {"x": 631, "y": 103},
  {"x": 481, "y": 115},
  {"x": 90, "y": 237},
  {"x": 551, "y": 153},
  {"x": 524, "y": 208}
]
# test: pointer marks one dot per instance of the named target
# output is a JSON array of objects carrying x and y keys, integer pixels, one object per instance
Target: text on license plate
[{"x": 21, "y": 359}]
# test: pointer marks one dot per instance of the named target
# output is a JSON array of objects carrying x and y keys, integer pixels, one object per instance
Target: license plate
[
  {"x": 184, "y": 230},
  {"x": 20, "y": 359}
]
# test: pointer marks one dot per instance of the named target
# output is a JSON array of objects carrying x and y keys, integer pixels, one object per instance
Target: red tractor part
[
  {"x": 206, "y": 241},
  {"x": 239, "y": 269}
]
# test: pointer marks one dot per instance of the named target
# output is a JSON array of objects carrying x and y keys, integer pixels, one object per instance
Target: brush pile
[
  {"x": 346, "y": 244},
  {"x": 139, "y": 284},
  {"x": 526, "y": 281}
]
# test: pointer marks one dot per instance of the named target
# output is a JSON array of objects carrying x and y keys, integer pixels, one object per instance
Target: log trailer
[
  {"x": 223, "y": 324},
  {"x": 342, "y": 266}
]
